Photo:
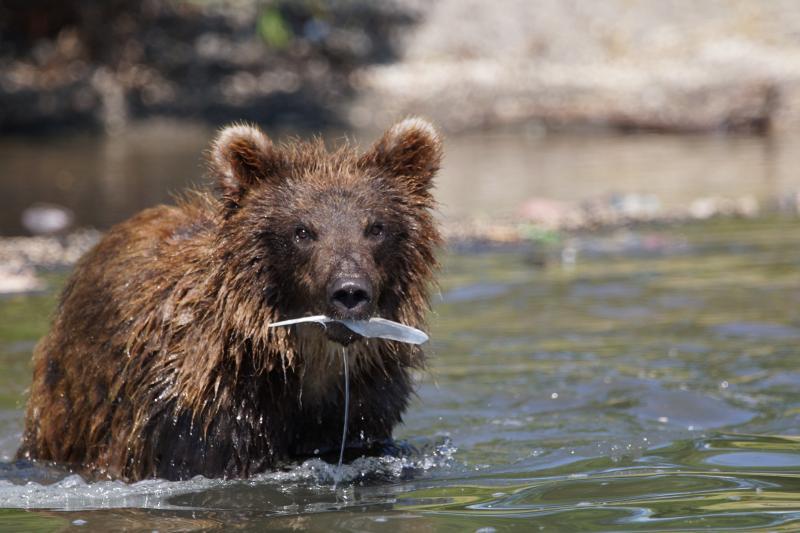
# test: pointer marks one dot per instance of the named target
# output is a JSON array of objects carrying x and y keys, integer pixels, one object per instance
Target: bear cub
[{"x": 160, "y": 362}]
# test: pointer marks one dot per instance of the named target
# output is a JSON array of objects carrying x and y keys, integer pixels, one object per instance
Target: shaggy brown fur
[{"x": 159, "y": 361}]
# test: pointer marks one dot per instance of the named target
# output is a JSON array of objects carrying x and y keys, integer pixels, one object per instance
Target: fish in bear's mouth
[{"x": 345, "y": 331}]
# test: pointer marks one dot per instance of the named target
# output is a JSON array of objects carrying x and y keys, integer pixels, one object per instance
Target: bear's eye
[
  {"x": 301, "y": 233},
  {"x": 377, "y": 229}
]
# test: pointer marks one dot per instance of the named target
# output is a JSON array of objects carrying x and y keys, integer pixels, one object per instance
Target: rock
[
  {"x": 16, "y": 278},
  {"x": 547, "y": 212},
  {"x": 49, "y": 252},
  {"x": 707, "y": 207},
  {"x": 47, "y": 219}
]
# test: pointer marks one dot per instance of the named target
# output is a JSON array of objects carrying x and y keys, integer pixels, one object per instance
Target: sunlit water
[{"x": 651, "y": 384}]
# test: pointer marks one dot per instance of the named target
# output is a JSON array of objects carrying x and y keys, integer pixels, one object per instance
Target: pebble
[{"x": 16, "y": 277}]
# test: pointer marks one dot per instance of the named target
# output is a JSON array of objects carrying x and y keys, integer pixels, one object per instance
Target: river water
[
  {"x": 105, "y": 179},
  {"x": 632, "y": 379},
  {"x": 650, "y": 382}
]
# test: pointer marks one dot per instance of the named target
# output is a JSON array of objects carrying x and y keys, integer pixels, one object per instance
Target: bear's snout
[{"x": 350, "y": 297}]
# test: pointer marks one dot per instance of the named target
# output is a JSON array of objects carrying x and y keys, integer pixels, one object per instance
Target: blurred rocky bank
[
  {"x": 512, "y": 65},
  {"x": 107, "y": 64},
  {"x": 671, "y": 65},
  {"x": 547, "y": 231}
]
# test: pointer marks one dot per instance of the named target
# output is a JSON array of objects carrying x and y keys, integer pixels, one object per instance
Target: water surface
[
  {"x": 638, "y": 388},
  {"x": 105, "y": 179}
]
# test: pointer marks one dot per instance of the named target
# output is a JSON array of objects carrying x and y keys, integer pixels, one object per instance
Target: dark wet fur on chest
[{"x": 248, "y": 441}]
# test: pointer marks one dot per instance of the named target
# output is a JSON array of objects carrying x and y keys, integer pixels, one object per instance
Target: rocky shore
[
  {"x": 727, "y": 66},
  {"x": 674, "y": 65},
  {"x": 104, "y": 65},
  {"x": 544, "y": 225},
  {"x": 23, "y": 259}
]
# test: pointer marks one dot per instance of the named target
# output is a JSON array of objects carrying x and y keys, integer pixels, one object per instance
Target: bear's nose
[{"x": 350, "y": 296}]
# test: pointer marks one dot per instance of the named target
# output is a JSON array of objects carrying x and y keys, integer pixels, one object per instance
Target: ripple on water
[
  {"x": 605, "y": 290},
  {"x": 568, "y": 410},
  {"x": 744, "y": 489},
  {"x": 762, "y": 460},
  {"x": 757, "y": 330},
  {"x": 689, "y": 409},
  {"x": 625, "y": 499},
  {"x": 74, "y": 493},
  {"x": 477, "y": 291}
]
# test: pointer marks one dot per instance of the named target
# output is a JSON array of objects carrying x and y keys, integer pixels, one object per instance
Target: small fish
[{"x": 374, "y": 327}]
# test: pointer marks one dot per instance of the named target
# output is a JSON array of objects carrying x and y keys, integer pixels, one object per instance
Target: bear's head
[{"x": 341, "y": 233}]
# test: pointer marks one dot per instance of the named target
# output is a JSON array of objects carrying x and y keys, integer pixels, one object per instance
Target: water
[
  {"x": 651, "y": 384},
  {"x": 106, "y": 179}
]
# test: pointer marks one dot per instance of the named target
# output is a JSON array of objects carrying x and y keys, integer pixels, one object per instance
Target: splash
[{"x": 73, "y": 493}]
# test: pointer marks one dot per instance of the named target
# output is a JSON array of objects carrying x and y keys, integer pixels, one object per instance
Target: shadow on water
[{"x": 623, "y": 391}]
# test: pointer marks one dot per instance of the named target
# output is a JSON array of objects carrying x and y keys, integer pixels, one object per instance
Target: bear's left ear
[
  {"x": 411, "y": 150},
  {"x": 240, "y": 157}
]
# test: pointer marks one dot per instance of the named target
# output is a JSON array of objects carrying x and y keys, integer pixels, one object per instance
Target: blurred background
[{"x": 559, "y": 114}]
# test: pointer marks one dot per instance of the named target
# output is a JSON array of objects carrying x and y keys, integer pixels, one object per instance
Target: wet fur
[{"x": 159, "y": 362}]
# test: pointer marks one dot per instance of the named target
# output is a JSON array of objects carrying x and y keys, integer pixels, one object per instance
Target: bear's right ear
[{"x": 240, "y": 157}]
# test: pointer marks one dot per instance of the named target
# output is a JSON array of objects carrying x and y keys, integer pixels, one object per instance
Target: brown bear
[{"x": 160, "y": 362}]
